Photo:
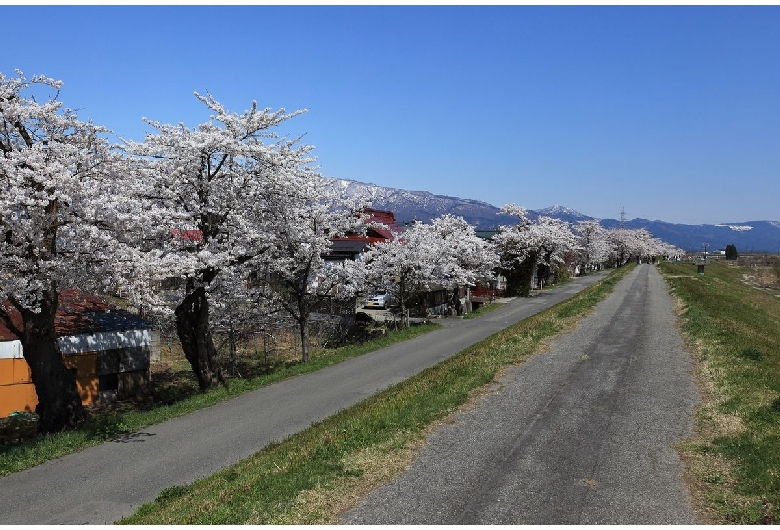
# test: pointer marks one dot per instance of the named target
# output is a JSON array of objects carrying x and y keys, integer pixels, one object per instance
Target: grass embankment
[
  {"x": 184, "y": 399},
  {"x": 314, "y": 475},
  {"x": 733, "y": 329}
]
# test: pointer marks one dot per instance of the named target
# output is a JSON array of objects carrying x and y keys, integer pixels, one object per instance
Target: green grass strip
[
  {"x": 263, "y": 489},
  {"x": 483, "y": 310},
  {"x": 734, "y": 329}
]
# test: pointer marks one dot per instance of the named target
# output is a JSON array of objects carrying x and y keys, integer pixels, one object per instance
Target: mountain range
[{"x": 407, "y": 206}]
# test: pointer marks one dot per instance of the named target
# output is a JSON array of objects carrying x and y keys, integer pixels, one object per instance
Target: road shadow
[{"x": 133, "y": 437}]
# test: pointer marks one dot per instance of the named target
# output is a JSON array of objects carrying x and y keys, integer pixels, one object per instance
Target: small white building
[{"x": 108, "y": 349}]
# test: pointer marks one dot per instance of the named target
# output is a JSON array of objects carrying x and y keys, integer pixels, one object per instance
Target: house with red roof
[{"x": 382, "y": 227}]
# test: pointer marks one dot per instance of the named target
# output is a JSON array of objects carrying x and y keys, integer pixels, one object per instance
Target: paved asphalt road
[
  {"x": 102, "y": 484},
  {"x": 581, "y": 434}
]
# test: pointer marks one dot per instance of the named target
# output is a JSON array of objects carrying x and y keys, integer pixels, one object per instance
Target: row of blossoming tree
[
  {"x": 549, "y": 245},
  {"x": 236, "y": 212}
]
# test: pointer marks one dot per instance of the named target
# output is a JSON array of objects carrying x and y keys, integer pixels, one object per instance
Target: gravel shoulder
[{"x": 580, "y": 434}]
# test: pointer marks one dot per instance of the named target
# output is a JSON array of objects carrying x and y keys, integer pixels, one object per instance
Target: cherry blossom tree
[
  {"x": 443, "y": 254},
  {"x": 211, "y": 193},
  {"x": 670, "y": 252},
  {"x": 56, "y": 214},
  {"x": 306, "y": 219},
  {"x": 593, "y": 244},
  {"x": 517, "y": 251},
  {"x": 461, "y": 257},
  {"x": 527, "y": 246},
  {"x": 401, "y": 266},
  {"x": 627, "y": 244},
  {"x": 657, "y": 248},
  {"x": 241, "y": 310},
  {"x": 552, "y": 239},
  {"x": 637, "y": 244}
]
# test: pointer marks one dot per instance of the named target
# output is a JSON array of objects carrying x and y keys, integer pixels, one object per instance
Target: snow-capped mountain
[
  {"x": 423, "y": 206},
  {"x": 563, "y": 212},
  {"x": 752, "y": 236}
]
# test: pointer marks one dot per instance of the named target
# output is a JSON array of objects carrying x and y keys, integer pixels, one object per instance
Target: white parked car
[{"x": 377, "y": 301}]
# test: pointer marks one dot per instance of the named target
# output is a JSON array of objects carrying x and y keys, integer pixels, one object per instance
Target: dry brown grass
[
  {"x": 376, "y": 466},
  {"x": 762, "y": 274},
  {"x": 172, "y": 376}
]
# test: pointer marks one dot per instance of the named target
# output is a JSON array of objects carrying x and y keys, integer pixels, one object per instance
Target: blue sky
[{"x": 670, "y": 112}]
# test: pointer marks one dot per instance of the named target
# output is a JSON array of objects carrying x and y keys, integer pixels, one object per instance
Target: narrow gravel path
[{"x": 581, "y": 434}]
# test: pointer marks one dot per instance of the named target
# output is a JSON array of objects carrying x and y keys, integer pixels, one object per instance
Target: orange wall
[
  {"x": 17, "y": 393},
  {"x": 14, "y": 371},
  {"x": 21, "y": 397}
]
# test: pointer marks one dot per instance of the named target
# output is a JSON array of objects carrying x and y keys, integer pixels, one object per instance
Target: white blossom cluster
[
  {"x": 183, "y": 207},
  {"x": 443, "y": 254},
  {"x": 56, "y": 202},
  {"x": 553, "y": 242}
]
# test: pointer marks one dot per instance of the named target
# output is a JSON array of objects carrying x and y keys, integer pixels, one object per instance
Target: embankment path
[{"x": 580, "y": 434}]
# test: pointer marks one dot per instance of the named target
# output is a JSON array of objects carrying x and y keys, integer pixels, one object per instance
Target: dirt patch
[
  {"x": 761, "y": 272},
  {"x": 763, "y": 279}
]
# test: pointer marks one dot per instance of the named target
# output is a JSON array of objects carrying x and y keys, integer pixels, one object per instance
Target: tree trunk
[
  {"x": 59, "y": 404},
  {"x": 543, "y": 273},
  {"x": 519, "y": 277},
  {"x": 456, "y": 301},
  {"x": 402, "y": 300},
  {"x": 303, "y": 325},
  {"x": 192, "y": 326}
]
